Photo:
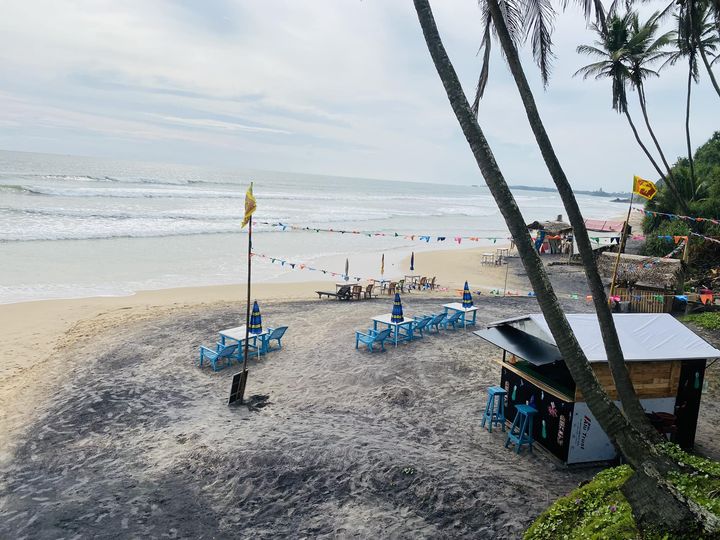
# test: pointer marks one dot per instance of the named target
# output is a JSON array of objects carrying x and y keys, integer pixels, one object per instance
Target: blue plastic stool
[
  {"x": 495, "y": 414},
  {"x": 524, "y": 422}
]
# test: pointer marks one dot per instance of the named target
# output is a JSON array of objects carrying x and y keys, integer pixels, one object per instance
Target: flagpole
[
  {"x": 247, "y": 312},
  {"x": 621, "y": 244}
]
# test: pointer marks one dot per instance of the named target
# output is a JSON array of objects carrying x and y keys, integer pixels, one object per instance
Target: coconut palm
[
  {"x": 624, "y": 50},
  {"x": 510, "y": 21},
  {"x": 696, "y": 38},
  {"x": 698, "y": 23},
  {"x": 650, "y": 494}
]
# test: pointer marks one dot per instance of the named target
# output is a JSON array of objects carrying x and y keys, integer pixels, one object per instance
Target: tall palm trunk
[
  {"x": 687, "y": 124},
  {"x": 640, "y": 453},
  {"x": 709, "y": 70},
  {"x": 621, "y": 376},
  {"x": 642, "y": 145},
  {"x": 669, "y": 178}
]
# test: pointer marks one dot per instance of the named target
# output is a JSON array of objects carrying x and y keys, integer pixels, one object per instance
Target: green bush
[
  {"x": 708, "y": 320},
  {"x": 599, "y": 510},
  {"x": 594, "y": 511},
  {"x": 659, "y": 247}
]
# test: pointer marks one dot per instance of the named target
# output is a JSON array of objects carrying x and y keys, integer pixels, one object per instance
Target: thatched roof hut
[
  {"x": 634, "y": 270},
  {"x": 551, "y": 227}
]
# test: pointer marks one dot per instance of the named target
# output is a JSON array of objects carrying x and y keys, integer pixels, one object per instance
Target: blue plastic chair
[
  {"x": 275, "y": 334},
  {"x": 436, "y": 322},
  {"x": 372, "y": 337},
  {"x": 452, "y": 320},
  {"x": 222, "y": 352},
  {"x": 419, "y": 325}
]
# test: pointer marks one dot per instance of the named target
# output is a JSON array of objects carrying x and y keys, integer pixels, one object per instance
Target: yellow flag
[
  {"x": 250, "y": 205},
  {"x": 644, "y": 188}
]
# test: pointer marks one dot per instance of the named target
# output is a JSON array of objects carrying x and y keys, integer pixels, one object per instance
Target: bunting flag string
[
  {"x": 370, "y": 234},
  {"x": 651, "y": 213},
  {"x": 496, "y": 292}
]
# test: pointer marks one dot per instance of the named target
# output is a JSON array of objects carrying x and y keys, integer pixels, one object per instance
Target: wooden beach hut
[
  {"x": 666, "y": 362},
  {"x": 554, "y": 234},
  {"x": 646, "y": 288}
]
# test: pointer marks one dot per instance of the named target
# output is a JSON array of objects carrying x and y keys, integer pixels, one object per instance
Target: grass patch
[
  {"x": 709, "y": 320},
  {"x": 593, "y": 511},
  {"x": 599, "y": 510}
]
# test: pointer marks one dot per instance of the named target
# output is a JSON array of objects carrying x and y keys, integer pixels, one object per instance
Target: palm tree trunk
[
  {"x": 608, "y": 415},
  {"x": 709, "y": 70},
  {"x": 640, "y": 453},
  {"x": 632, "y": 407},
  {"x": 669, "y": 178},
  {"x": 687, "y": 126},
  {"x": 642, "y": 145}
]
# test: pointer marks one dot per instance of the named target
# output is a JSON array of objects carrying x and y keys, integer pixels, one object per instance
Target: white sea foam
[{"x": 111, "y": 227}]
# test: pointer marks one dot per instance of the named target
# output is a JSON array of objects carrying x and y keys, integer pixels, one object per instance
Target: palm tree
[
  {"x": 624, "y": 51},
  {"x": 651, "y": 495},
  {"x": 632, "y": 407},
  {"x": 696, "y": 37},
  {"x": 510, "y": 22},
  {"x": 699, "y": 34}
]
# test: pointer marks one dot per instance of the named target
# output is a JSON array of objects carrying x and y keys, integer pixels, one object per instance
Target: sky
[{"x": 336, "y": 87}]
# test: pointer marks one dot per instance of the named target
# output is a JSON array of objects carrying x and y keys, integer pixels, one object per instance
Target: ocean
[{"x": 78, "y": 227}]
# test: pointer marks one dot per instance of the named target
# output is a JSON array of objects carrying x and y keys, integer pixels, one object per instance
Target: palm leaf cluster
[{"x": 626, "y": 51}]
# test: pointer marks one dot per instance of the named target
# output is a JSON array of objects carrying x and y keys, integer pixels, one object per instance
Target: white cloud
[{"x": 335, "y": 87}]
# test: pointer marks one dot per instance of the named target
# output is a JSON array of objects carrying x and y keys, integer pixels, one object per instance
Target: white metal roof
[{"x": 643, "y": 336}]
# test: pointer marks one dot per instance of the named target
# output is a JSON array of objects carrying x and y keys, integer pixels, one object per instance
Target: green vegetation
[
  {"x": 708, "y": 320},
  {"x": 702, "y": 195},
  {"x": 595, "y": 510},
  {"x": 703, "y": 198},
  {"x": 599, "y": 510}
]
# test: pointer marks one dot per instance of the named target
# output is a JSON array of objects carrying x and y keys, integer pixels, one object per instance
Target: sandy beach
[{"x": 111, "y": 430}]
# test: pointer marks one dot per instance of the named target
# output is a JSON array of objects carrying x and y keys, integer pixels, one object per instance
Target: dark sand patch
[{"x": 140, "y": 442}]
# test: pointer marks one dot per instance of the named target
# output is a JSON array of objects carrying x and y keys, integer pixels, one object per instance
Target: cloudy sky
[{"x": 338, "y": 87}]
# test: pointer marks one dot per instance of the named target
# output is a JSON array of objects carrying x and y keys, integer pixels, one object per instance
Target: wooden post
[
  {"x": 247, "y": 315},
  {"x": 507, "y": 268},
  {"x": 620, "y": 245}
]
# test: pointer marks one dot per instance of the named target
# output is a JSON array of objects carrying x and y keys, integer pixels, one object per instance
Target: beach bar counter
[{"x": 666, "y": 361}]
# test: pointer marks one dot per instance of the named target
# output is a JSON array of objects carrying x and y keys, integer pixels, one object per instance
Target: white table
[
  {"x": 395, "y": 327},
  {"x": 238, "y": 334},
  {"x": 457, "y": 306}
]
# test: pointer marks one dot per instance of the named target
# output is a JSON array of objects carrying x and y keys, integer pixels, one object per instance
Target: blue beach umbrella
[
  {"x": 397, "y": 314},
  {"x": 255, "y": 320},
  {"x": 467, "y": 297},
  {"x": 412, "y": 262}
]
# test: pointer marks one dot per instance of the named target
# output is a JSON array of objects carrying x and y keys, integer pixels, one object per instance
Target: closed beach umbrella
[
  {"x": 382, "y": 265},
  {"x": 255, "y": 320},
  {"x": 347, "y": 269},
  {"x": 397, "y": 314},
  {"x": 467, "y": 297},
  {"x": 412, "y": 261}
]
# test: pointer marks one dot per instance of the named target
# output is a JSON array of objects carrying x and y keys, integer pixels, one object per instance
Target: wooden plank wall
[
  {"x": 650, "y": 379},
  {"x": 644, "y": 301}
]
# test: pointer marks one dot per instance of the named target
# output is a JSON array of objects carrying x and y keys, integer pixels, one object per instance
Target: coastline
[{"x": 34, "y": 331}]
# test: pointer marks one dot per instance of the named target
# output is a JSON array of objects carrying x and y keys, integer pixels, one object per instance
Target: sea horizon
[{"x": 112, "y": 227}]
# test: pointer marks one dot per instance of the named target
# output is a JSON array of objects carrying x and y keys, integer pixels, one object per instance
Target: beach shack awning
[
  {"x": 604, "y": 226},
  {"x": 520, "y": 344},
  {"x": 643, "y": 337}
]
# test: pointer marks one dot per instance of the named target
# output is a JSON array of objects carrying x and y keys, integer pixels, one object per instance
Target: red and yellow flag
[
  {"x": 250, "y": 205},
  {"x": 644, "y": 188}
]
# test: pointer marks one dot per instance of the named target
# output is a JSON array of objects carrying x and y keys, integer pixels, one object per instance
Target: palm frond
[
  {"x": 485, "y": 68},
  {"x": 538, "y": 18}
]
